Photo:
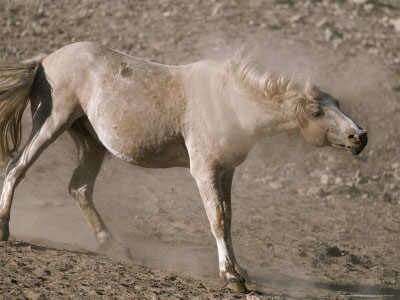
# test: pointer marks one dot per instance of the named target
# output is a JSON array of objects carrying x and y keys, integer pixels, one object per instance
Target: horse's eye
[{"x": 316, "y": 114}]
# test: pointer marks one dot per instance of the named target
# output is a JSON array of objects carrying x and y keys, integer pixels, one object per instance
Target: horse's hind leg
[
  {"x": 90, "y": 157},
  {"x": 45, "y": 129}
]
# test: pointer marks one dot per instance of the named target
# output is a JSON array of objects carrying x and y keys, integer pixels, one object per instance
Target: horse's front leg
[
  {"x": 226, "y": 185},
  {"x": 218, "y": 211}
]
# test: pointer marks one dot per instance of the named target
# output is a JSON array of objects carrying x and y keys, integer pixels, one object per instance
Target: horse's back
[{"x": 135, "y": 107}]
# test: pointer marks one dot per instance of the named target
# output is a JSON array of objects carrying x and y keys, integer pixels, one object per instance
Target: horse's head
[{"x": 326, "y": 125}]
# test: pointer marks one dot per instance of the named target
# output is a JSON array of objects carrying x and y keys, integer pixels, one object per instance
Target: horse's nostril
[
  {"x": 351, "y": 136},
  {"x": 364, "y": 138}
]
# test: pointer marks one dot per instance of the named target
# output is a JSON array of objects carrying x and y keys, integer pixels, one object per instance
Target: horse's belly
[
  {"x": 170, "y": 153},
  {"x": 136, "y": 145}
]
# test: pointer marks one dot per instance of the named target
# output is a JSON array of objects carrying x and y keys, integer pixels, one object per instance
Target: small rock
[
  {"x": 296, "y": 18},
  {"x": 328, "y": 34},
  {"x": 396, "y": 165},
  {"x": 396, "y": 24},
  {"x": 275, "y": 185},
  {"x": 359, "y": 1},
  {"x": 252, "y": 296},
  {"x": 34, "y": 295},
  {"x": 368, "y": 7},
  {"x": 313, "y": 191},
  {"x": 375, "y": 177},
  {"x": 338, "y": 180},
  {"x": 336, "y": 43},
  {"x": 216, "y": 9},
  {"x": 322, "y": 22},
  {"x": 373, "y": 51},
  {"x": 324, "y": 179},
  {"x": 387, "y": 198}
]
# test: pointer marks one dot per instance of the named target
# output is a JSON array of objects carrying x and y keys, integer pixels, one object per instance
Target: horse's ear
[{"x": 308, "y": 87}]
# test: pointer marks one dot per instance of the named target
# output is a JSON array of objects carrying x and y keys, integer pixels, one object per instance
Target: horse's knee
[{"x": 15, "y": 172}]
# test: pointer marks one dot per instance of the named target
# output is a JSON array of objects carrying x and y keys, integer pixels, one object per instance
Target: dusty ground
[{"x": 308, "y": 223}]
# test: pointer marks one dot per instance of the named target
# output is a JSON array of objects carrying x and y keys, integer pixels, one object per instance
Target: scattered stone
[
  {"x": 386, "y": 197},
  {"x": 324, "y": 179},
  {"x": 322, "y": 22},
  {"x": 395, "y": 165},
  {"x": 217, "y": 8},
  {"x": 373, "y": 51},
  {"x": 375, "y": 177},
  {"x": 31, "y": 295},
  {"x": 302, "y": 253},
  {"x": 338, "y": 180},
  {"x": 359, "y": 1},
  {"x": 396, "y": 24},
  {"x": 313, "y": 191},
  {"x": 368, "y": 7},
  {"x": 296, "y": 18},
  {"x": 275, "y": 185},
  {"x": 252, "y": 296},
  {"x": 328, "y": 34},
  {"x": 336, "y": 43}
]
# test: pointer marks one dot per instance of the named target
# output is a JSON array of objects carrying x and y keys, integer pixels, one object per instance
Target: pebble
[
  {"x": 359, "y": 1},
  {"x": 31, "y": 295},
  {"x": 396, "y": 24},
  {"x": 275, "y": 185},
  {"x": 296, "y": 18},
  {"x": 387, "y": 198},
  {"x": 368, "y": 7},
  {"x": 324, "y": 179},
  {"x": 328, "y": 34},
  {"x": 322, "y": 22},
  {"x": 252, "y": 297}
]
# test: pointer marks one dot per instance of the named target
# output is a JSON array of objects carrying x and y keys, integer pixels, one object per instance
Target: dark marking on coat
[{"x": 126, "y": 72}]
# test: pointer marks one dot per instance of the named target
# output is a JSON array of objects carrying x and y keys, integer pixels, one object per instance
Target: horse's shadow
[
  {"x": 298, "y": 287},
  {"x": 360, "y": 289}
]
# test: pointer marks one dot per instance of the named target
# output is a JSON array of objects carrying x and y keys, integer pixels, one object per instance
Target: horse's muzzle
[{"x": 359, "y": 142}]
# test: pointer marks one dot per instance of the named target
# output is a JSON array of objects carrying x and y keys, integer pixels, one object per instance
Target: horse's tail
[{"x": 16, "y": 80}]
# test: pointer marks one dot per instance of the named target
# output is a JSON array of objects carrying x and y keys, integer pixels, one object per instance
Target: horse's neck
[
  {"x": 234, "y": 106},
  {"x": 260, "y": 119}
]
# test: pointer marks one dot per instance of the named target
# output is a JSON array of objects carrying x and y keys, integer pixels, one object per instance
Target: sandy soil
[{"x": 308, "y": 223}]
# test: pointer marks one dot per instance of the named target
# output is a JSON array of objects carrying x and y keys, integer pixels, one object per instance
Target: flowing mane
[{"x": 273, "y": 87}]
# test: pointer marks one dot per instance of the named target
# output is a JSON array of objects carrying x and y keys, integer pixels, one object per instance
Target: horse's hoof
[
  {"x": 237, "y": 286},
  {"x": 4, "y": 233},
  {"x": 116, "y": 250}
]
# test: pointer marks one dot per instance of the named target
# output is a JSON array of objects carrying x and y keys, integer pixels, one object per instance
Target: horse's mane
[{"x": 273, "y": 87}]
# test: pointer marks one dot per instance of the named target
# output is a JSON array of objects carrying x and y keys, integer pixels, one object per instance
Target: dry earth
[{"x": 308, "y": 223}]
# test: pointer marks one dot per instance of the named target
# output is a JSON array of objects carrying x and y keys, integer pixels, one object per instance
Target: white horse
[{"x": 205, "y": 116}]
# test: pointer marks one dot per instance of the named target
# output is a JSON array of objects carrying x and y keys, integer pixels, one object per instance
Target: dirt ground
[{"x": 308, "y": 223}]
